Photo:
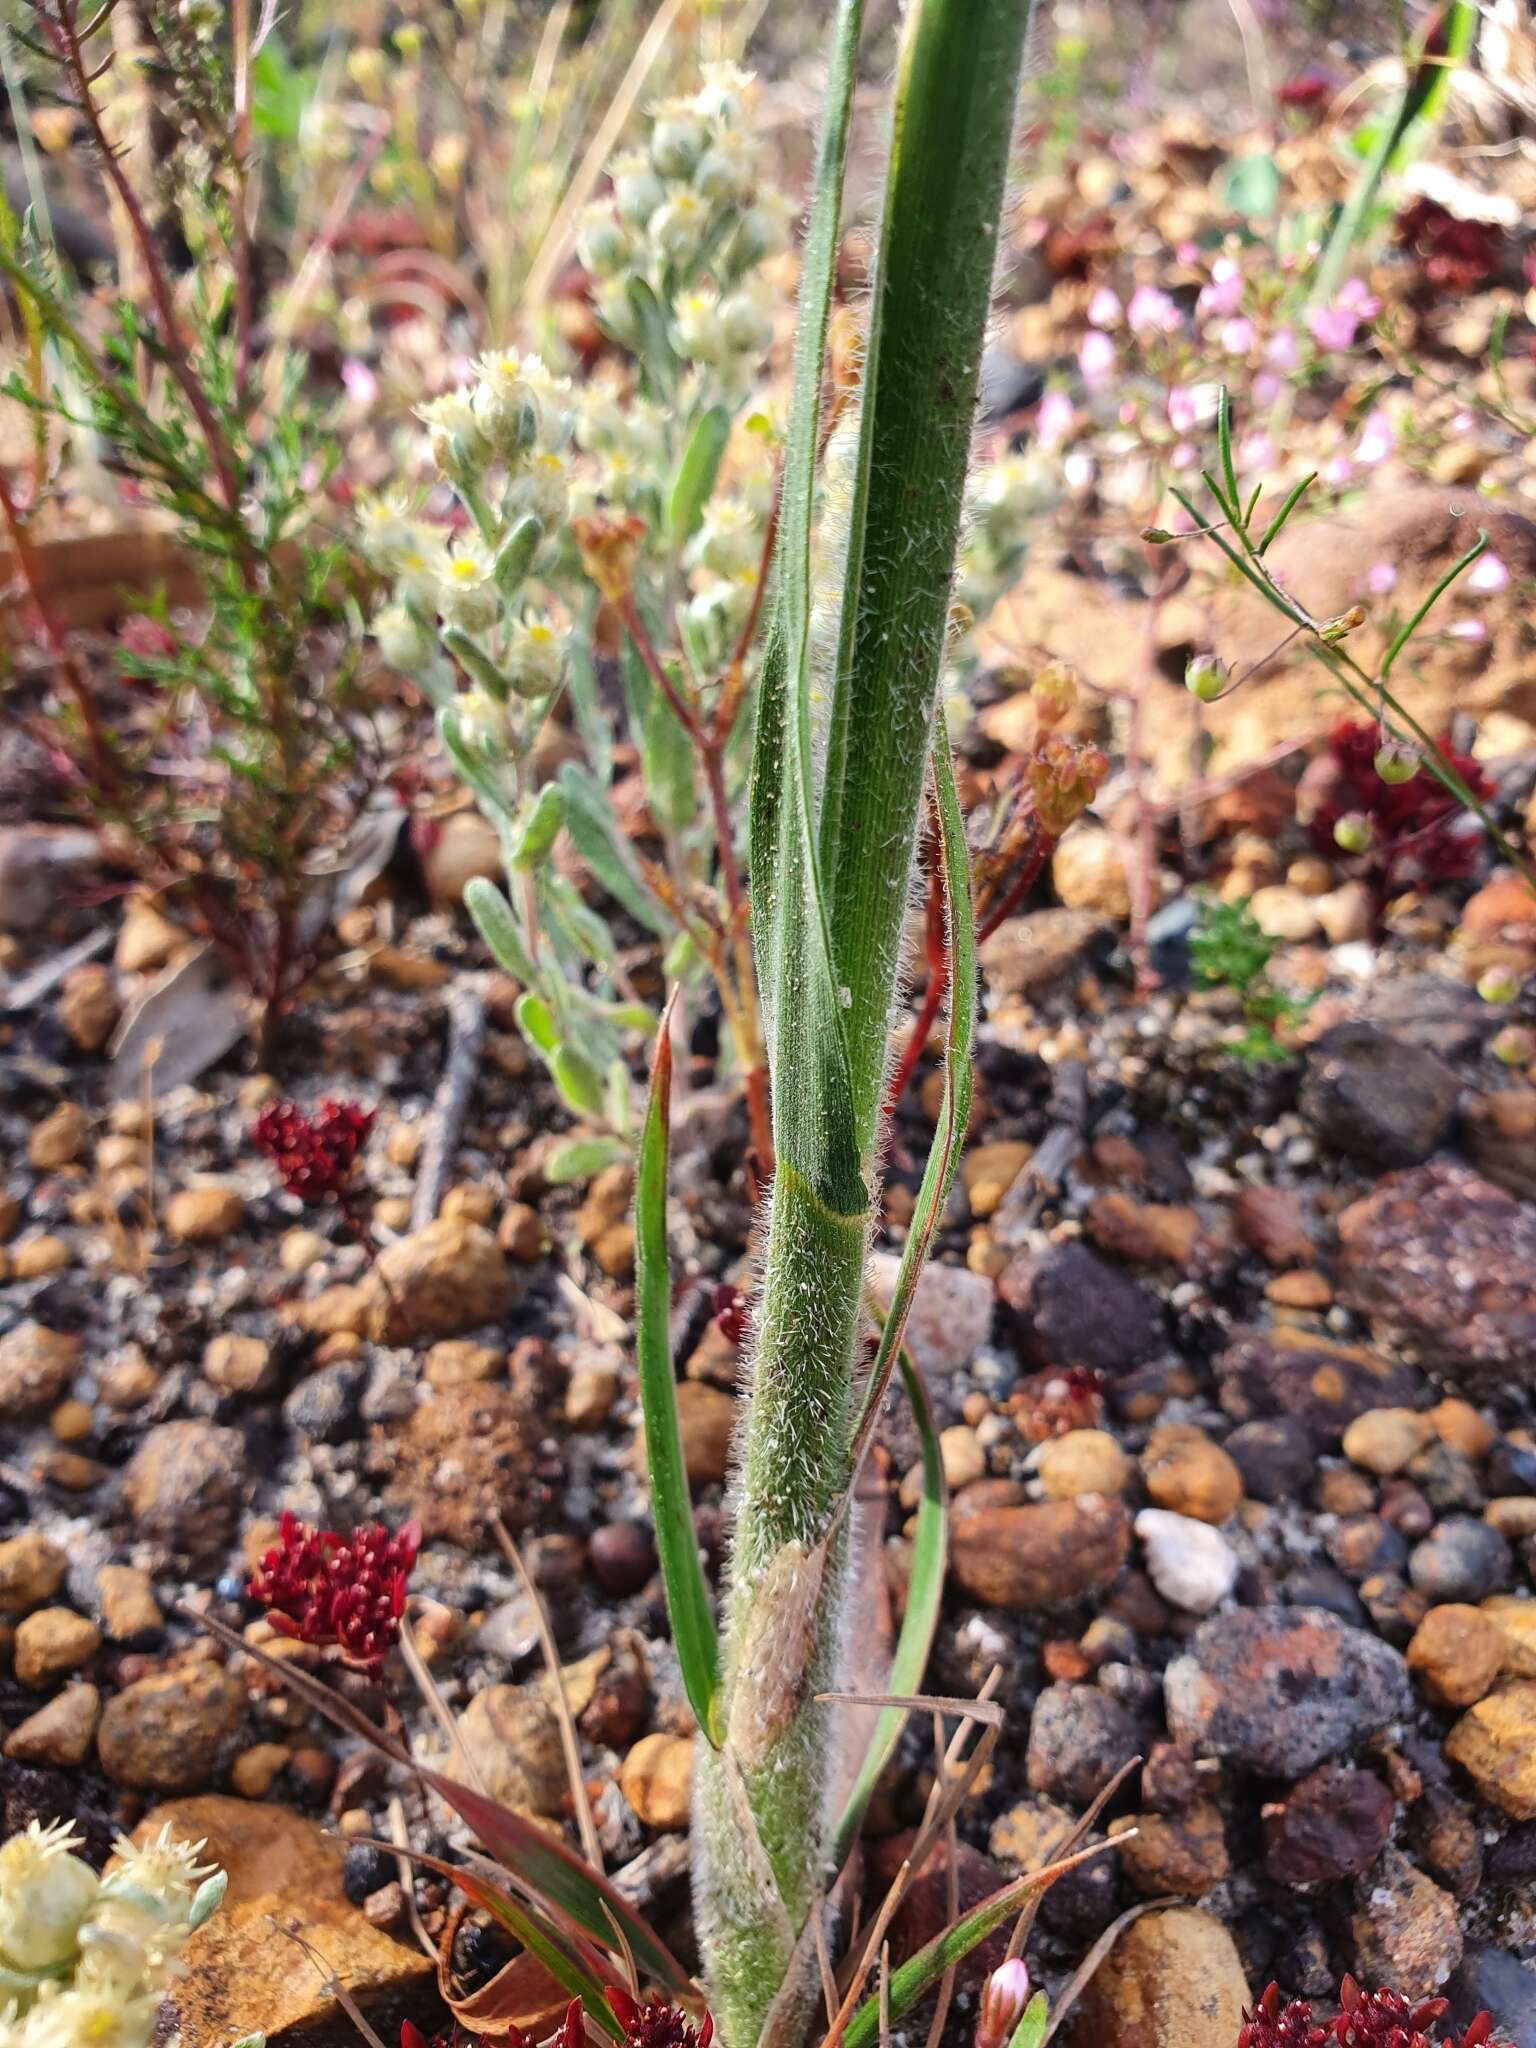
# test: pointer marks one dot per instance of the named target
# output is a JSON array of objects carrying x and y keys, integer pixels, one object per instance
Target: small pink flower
[
  {"x": 1237, "y": 336},
  {"x": 1152, "y": 312},
  {"x": 1488, "y": 573},
  {"x": 1338, "y": 472},
  {"x": 1182, "y": 414},
  {"x": 359, "y": 381},
  {"x": 1104, "y": 308},
  {"x": 1055, "y": 420},
  {"x": 1470, "y": 630},
  {"x": 1185, "y": 455},
  {"x": 1097, "y": 360},
  {"x": 1266, "y": 389},
  {"x": 1335, "y": 326},
  {"x": 1220, "y": 299},
  {"x": 1381, "y": 578},
  {"x": 1258, "y": 452},
  {"x": 1281, "y": 352},
  {"x": 1377, "y": 438}
]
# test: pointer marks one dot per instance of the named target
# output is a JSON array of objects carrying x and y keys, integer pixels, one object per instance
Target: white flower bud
[
  {"x": 1396, "y": 761},
  {"x": 1498, "y": 985},
  {"x": 386, "y": 530},
  {"x": 400, "y": 639},
  {"x": 610, "y": 302},
  {"x": 678, "y": 136},
  {"x": 482, "y": 722},
  {"x": 637, "y": 191},
  {"x": 744, "y": 326},
  {"x": 601, "y": 243},
  {"x": 765, "y": 229},
  {"x": 1353, "y": 832},
  {"x": 728, "y": 168}
]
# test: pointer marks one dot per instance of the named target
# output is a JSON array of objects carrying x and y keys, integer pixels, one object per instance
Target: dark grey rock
[
  {"x": 1381, "y": 1100},
  {"x": 1462, "y": 1560},
  {"x": 1492, "y": 1980},
  {"x": 1078, "y": 1738},
  {"x": 325, "y": 1406},
  {"x": 1279, "y": 1689},
  {"x": 1074, "y": 1309}
]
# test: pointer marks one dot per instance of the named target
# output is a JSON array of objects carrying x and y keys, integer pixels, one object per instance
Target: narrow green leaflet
[
  {"x": 696, "y": 473},
  {"x": 493, "y": 919},
  {"x": 666, "y": 751},
  {"x": 590, "y": 822},
  {"x": 693, "y": 1626}
]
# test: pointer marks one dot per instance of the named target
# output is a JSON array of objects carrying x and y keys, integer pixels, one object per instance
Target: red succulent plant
[
  {"x": 656, "y": 2024},
  {"x": 316, "y": 1154},
  {"x": 346, "y": 1592},
  {"x": 1416, "y": 830},
  {"x": 1366, "y": 2019},
  {"x": 1453, "y": 255}
]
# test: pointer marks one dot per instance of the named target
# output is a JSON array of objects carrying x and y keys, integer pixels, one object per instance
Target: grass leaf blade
[{"x": 693, "y": 1626}]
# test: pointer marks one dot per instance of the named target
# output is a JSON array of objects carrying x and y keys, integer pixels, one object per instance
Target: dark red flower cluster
[
  {"x": 1453, "y": 255},
  {"x": 1308, "y": 90},
  {"x": 1419, "y": 832},
  {"x": 412, "y": 2037},
  {"x": 1366, "y": 2019},
  {"x": 657, "y": 2024},
  {"x": 316, "y": 1155},
  {"x": 347, "y": 1591}
]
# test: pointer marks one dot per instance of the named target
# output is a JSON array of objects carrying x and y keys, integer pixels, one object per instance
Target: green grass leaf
[{"x": 688, "y": 1607}]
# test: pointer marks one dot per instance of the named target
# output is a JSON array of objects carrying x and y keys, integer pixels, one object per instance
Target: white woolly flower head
[
  {"x": 679, "y": 225},
  {"x": 387, "y": 526},
  {"x": 466, "y": 591},
  {"x": 765, "y": 227},
  {"x": 454, "y": 430},
  {"x": 728, "y": 169},
  {"x": 699, "y": 330},
  {"x": 535, "y": 656},
  {"x": 87, "y": 2015},
  {"x": 679, "y": 134},
  {"x": 45, "y": 1893},
  {"x": 724, "y": 94},
  {"x": 400, "y": 638},
  {"x": 729, "y": 540},
  {"x": 543, "y": 487}
]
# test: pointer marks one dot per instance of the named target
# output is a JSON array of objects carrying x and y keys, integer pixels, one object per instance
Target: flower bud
[
  {"x": 400, "y": 639},
  {"x": 1397, "y": 761},
  {"x": 1498, "y": 985},
  {"x": 637, "y": 191},
  {"x": 601, "y": 243},
  {"x": 677, "y": 142},
  {"x": 1353, "y": 832},
  {"x": 1346, "y": 622},
  {"x": 467, "y": 596},
  {"x": 743, "y": 326},
  {"x": 1003, "y": 1999},
  {"x": 1206, "y": 678}
]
